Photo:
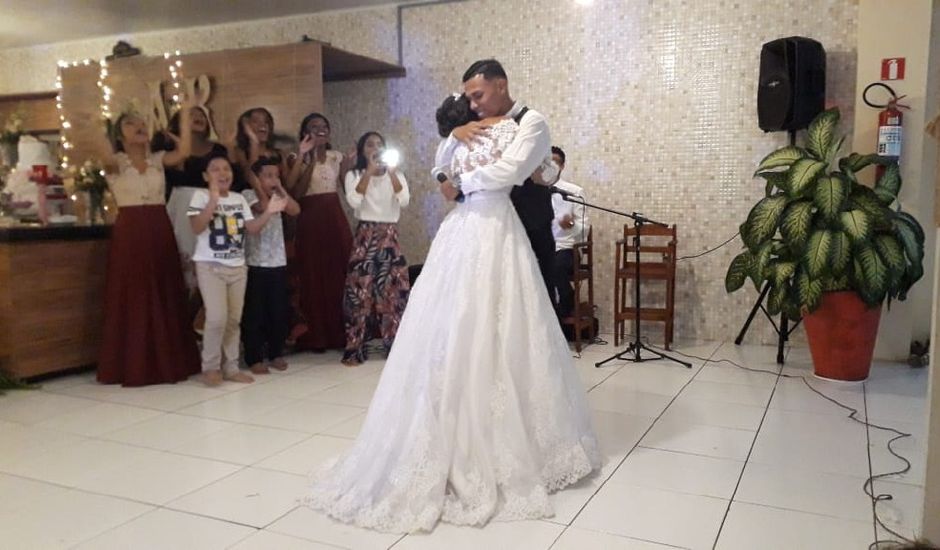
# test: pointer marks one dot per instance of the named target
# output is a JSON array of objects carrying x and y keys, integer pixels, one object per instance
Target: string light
[
  {"x": 175, "y": 66},
  {"x": 105, "y": 90},
  {"x": 63, "y": 121}
]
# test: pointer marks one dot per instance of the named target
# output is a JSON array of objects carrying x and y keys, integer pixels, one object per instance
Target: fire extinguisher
[{"x": 890, "y": 125}]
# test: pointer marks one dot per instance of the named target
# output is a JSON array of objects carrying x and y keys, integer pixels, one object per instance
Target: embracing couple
[{"x": 479, "y": 413}]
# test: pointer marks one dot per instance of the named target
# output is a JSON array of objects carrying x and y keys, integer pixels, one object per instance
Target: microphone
[
  {"x": 441, "y": 177},
  {"x": 563, "y": 193}
]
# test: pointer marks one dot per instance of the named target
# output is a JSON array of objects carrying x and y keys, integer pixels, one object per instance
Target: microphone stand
[{"x": 633, "y": 351}]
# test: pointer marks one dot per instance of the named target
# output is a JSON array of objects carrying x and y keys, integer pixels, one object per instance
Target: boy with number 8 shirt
[{"x": 220, "y": 218}]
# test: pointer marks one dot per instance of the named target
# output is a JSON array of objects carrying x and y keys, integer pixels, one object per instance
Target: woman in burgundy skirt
[
  {"x": 147, "y": 336},
  {"x": 323, "y": 240}
]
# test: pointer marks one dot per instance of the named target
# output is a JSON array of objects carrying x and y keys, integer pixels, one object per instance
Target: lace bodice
[
  {"x": 487, "y": 150},
  {"x": 132, "y": 188},
  {"x": 324, "y": 177}
]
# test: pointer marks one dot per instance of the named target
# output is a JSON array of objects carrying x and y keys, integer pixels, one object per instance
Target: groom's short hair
[{"x": 489, "y": 68}]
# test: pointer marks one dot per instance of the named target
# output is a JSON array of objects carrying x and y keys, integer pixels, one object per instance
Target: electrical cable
[{"x": 868, "y": 486}]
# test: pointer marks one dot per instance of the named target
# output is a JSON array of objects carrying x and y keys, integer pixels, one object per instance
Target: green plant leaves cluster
[{"x": 818, "y": 229}]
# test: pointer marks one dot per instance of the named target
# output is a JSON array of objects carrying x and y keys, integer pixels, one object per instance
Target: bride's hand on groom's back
[{"x": 468, "y": 133}]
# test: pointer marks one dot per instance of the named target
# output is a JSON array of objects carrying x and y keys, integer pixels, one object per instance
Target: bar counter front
[{"x": 52, "y": 282}]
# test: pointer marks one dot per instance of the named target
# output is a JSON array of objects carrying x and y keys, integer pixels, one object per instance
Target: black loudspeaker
[{"x": 792, "y": 86}]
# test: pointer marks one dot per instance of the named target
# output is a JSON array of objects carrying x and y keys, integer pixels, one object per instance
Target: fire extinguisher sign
[{"x": 892, "y": 68}]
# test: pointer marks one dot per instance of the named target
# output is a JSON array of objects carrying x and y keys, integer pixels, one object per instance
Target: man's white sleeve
[{"x": 523, "y": 156}]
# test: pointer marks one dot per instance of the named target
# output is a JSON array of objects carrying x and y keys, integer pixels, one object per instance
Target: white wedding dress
[{"x": 479, "y": 413}]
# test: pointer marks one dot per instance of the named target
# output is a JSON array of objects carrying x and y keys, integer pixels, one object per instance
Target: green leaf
[
  {"x": 808, "y": 290},
  {"x": 760, "y": 263},
  {"x": 864, "y": 199},
  {"x": 829, "y": 195},
  {"x": 840, "y": 252},
  {"x": 857, "y": 224},
  {"x": 885, "y": 197},
  {"x": 802, "y": 174},
  {"x": 873, "y": 278},
  {"x": 777, "y": 299},
  {"x": 911, "y": 276},
  {"x": 796, "y": 221},
  {"x": 785, "y": 156},
  {"x": 831, "y": 284},
  {"x": 763, "y": 220},
  {"x": 737, "y": 271},
  {"x": 778, "y": 296},
  {"x": 774, "y": 179},
  {"x": 819, "y": 133},
  {"x": 913, "y": 247},
  {"x": 914, "y": 224},
  {"x": 817, "y": 253},
  {"x": 855, "y": 162},
  {"x": 783, "y": 271},
  {"x": 834, "y": 150},
  {"x": 891, "y": 252},
  {"x": 889, "y": 184}
]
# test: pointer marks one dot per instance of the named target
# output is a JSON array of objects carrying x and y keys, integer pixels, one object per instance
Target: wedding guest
[
  {"x": 570, "y": 226},
  {"x": 220, "y": 218},
  {"x": 147, "y": 337},
  {"x": 323, "y": 240},
  {"x": 184, "y": 179},
  {"x": 265, "y": 320},
  {"x": 254, "y": 139},
  {"x": 377, "y": 277}
]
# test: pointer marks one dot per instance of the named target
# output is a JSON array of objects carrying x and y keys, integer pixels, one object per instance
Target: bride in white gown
[{"x": 479, "y": 413}]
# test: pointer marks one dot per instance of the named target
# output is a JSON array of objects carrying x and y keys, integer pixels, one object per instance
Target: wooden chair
[
  {"x": 582, "y": 316},
  {"x": 657, "y": 263}
]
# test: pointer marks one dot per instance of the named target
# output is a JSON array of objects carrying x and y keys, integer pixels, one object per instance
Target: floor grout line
[
  {"x": 720, "y": 350},
  {"x": 750, "y": 450},
  {"x": 637, "y": 444}
]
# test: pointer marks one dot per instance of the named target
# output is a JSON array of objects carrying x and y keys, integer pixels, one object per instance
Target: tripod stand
[
  {"x": 783, "y": 331},
  {"x": 638, "y": 222}
]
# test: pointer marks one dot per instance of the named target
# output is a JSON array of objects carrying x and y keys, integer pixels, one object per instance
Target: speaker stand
[{"x": 783, "y": 330}]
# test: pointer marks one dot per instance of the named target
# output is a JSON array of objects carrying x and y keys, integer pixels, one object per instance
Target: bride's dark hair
[{"x": 454, "y": 112}]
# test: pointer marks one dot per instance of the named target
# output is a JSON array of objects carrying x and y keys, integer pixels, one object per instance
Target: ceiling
[{"x": 26, "y": 23}]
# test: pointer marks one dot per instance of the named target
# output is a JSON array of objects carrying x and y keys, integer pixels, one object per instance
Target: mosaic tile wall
[{"x": 654, "y": 102}]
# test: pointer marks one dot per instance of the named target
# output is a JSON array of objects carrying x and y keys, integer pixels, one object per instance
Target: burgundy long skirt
[
  {"x": 147, "y": 337},
  {"x": 323, "y": 243}
]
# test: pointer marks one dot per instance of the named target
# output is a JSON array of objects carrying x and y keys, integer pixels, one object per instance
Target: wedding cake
[{"x": 32, "y": 152}]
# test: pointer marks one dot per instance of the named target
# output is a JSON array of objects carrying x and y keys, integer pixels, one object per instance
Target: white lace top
[
  {"x": 325, "y": 175},
  {"x": 487, "y": 150},
  {"x": 132, "y": 188}
]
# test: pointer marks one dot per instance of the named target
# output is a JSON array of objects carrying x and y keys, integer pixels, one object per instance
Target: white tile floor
[{"x": 708, "y": 457}]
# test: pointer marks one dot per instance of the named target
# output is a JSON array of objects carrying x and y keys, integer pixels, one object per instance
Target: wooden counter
[{"x": 51, "y": 297}]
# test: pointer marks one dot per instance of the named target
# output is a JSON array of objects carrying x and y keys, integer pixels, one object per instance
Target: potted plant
[
  {"x": 90, "y": 178},
  {"x": 831, "y": 249}
]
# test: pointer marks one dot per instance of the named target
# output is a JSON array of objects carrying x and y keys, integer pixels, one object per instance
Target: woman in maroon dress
[
  {"x": 324, "y": 240},
  {"x": 147, "y": 337}
]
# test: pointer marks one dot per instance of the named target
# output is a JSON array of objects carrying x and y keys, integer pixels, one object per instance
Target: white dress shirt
[
  {"x": 380, "y": 203},
  {"x": 566, "y": 238}
]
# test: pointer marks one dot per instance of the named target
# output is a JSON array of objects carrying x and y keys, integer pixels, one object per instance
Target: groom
[{"x": 521, "y": 165}]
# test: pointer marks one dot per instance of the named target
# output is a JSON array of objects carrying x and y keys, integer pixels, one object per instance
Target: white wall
[{"x": 901, "y": 28}]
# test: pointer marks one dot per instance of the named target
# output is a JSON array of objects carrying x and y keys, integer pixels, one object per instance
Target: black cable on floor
[{"x": 868, "y": 486}]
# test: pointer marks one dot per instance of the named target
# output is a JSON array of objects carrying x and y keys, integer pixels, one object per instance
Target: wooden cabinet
[{"x": 52, "y": 284}]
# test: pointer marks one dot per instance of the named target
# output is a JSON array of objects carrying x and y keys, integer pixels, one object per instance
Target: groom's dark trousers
[{"x": 533, "y": 203}]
